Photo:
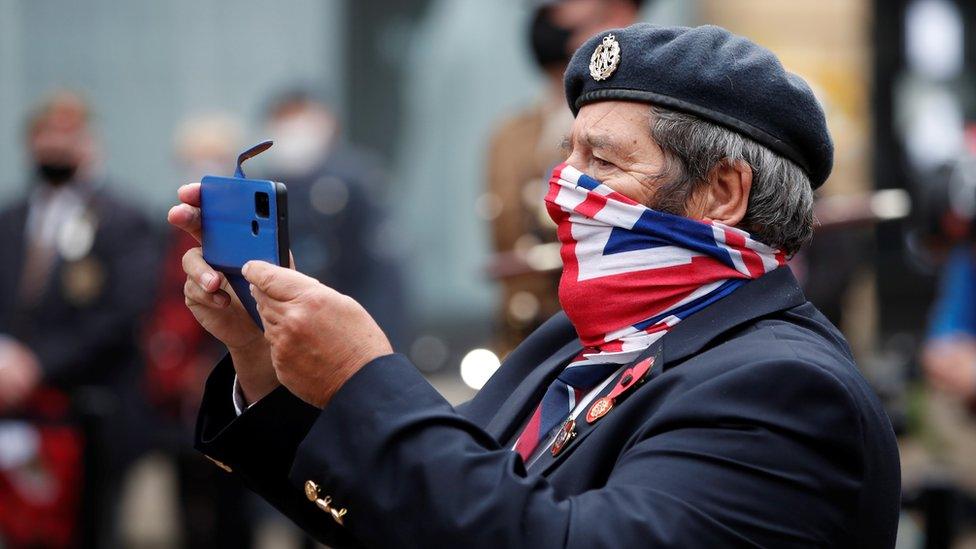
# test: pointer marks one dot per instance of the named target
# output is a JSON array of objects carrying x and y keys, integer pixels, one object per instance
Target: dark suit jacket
[
  {"x": 754, "y": 429},
  {"x": 83, "y": 327}
]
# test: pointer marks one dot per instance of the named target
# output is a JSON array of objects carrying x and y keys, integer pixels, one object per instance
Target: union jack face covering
[{"x": 630, "y": 273}]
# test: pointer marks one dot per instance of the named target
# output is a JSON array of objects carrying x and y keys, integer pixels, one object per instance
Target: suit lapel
[
  {"x": 769, "y": 294},
  {"x": 546, "y": 461}
]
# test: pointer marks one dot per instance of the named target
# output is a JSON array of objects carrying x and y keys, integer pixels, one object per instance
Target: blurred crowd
[{"x": 101, "y": 363}]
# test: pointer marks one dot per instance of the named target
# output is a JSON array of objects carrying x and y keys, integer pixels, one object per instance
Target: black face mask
[
  {"x": 56, "y": 173},
  {"x": 550, "y": 42}
]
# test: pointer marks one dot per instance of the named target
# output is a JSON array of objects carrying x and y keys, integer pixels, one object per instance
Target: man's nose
[{"x": 577, "y": 160}]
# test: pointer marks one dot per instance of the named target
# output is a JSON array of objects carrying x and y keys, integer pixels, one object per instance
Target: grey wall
[{"x": 146, "y": 64}]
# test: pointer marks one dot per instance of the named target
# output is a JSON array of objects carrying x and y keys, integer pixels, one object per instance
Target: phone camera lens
[{"x": 262, "y": 205}]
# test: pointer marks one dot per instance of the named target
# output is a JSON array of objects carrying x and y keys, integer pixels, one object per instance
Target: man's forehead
[
  {"x": 627, "y": 110},
  {"x": 611, "y": 123}
]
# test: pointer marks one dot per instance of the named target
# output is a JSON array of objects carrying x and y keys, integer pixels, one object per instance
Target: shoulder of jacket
[{"x": 779, "y": 356}]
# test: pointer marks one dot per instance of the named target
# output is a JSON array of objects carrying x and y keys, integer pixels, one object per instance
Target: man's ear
[{"x": 726, "y": 197}]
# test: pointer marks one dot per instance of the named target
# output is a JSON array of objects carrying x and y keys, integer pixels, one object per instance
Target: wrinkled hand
[
  {"x": 950, "y": 366},
  {"x": 319, "y": 338},
  {"x": 20, "y": 373},
  {"x": 215, "y": 306}
]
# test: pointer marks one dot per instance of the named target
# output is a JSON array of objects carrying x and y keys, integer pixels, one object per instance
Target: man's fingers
[
  {"x": 189, "y": 194},
  {"x": 187, "y": 219},
  {"x": 200, "y": 272},
  {"x": 267, "y": 307},
  {"x": 194, "y": 293},
  {"x": 279, "y": 283},
  {"x": 186, "y": 216}
]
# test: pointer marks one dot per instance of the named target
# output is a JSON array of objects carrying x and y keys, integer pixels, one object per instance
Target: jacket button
[
  {"x": 311, "y": 490},
  {"x": 220, "y": 464},
  {"x": 338, "y": 515}
]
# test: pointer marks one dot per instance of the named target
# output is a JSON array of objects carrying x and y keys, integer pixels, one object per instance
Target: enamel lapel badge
[
  {"x": 630, "y": 379},
  {"x": 599, "y": 409}
]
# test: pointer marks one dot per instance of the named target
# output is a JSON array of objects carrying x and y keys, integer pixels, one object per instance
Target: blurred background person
[
  {"x": 949, "y": 353},
  {"x": 944, "y": 240},
  {"x": 337, "y": 225},
  {"x": 213, "y": 508},
  {"x": 523, "y": 150},
  {"x": 80, "y": 271}
]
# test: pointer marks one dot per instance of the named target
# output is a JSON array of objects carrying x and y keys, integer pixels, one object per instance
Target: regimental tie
[
  {"x": 630, "y": 274},
  {"x": 560, "y": 398}
]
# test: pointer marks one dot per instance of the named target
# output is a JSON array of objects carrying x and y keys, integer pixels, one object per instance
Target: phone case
[{"x": 234, "y": 232}]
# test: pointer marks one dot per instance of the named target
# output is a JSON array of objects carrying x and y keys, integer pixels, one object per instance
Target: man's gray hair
[{"x": 780, "y": 210}]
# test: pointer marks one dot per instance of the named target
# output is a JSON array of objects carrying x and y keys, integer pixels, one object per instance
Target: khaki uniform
[{"x": 523, "y": 151}]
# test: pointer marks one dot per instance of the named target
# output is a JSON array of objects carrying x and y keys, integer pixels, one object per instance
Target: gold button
[
  {"x": 222, "y": 465},
  {"x": 311, "y": 490},
  {"x": 325, "y": 504},
  {"x": 337, "y": 515}
]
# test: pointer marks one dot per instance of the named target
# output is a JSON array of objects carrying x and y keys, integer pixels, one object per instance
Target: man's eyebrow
[
  {"x": 603, "y": 142},
  {"x": 566, "y": 144},
  {"x": 599, "y": 142}
]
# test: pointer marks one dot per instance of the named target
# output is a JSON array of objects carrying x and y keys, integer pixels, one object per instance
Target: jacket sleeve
[
  {"x": 710, "y": 472},
  {"x": 259, "y": 446}
]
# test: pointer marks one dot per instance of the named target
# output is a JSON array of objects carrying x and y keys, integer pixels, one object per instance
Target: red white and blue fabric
[{"x": 630, "y": 273}]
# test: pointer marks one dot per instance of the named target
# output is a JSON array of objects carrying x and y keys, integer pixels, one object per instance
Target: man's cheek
[{"x": 625, "y": 185}]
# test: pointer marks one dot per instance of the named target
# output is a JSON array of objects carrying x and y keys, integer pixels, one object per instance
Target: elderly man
[{"x": 688, "y": 396}]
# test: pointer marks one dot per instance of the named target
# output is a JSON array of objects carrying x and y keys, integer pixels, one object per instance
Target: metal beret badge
[{"x": 605, "y": 58}]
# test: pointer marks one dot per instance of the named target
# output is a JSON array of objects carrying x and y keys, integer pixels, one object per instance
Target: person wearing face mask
[
  {"x": 522, "y": 151},
  {"x": 688, "y": 395},
  {"x": 337, "y": 222},
  {"x": 79, "y": 272}
]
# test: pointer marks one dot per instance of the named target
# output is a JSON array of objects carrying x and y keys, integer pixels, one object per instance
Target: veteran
[{"x": 687, "y": 396}]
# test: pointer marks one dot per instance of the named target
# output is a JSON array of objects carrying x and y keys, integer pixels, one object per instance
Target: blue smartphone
[{"x": 242, "y": 220}]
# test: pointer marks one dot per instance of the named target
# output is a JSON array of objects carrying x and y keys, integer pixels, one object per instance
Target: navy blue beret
[{"x": 711, "y": 73}]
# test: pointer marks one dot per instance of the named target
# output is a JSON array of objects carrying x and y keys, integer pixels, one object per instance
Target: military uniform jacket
[{"x": 752, "y": 429}]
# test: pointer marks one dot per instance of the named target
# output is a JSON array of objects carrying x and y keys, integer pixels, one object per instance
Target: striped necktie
[{"x": 561, "y": 397}]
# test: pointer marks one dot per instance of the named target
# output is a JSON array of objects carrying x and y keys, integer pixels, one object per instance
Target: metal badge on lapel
[
  {"x": 566, "y": 434},
  {"x": 631, "y": 378},
  {"x": 600, "y": 408},
  {"x": 83, "y": 281},
  {"x": 605, "y": 58}
]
